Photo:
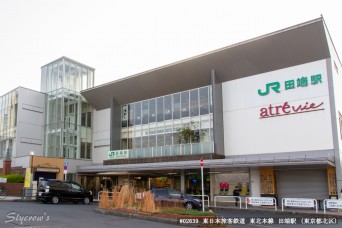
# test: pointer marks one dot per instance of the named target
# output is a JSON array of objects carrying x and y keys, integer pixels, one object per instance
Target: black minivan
[{"x": 59, "y": 190}]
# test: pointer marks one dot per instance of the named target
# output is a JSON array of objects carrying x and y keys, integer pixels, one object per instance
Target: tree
[{"x": 189, "y": 133}]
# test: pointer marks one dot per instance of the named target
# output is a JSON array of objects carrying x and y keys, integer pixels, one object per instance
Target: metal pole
[{"x": 202, "y": 188}]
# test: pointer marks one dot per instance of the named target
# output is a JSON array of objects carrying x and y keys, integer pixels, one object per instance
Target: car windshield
[
  {"x": 42, "y": 184},
  {"x": 75, "y": 186}
]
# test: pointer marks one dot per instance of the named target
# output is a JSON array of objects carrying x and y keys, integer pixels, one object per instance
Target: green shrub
[{"x": 13, "y": 178}]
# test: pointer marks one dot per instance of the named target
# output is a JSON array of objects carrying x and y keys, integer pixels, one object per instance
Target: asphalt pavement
[{"x": 232, "y": 213}]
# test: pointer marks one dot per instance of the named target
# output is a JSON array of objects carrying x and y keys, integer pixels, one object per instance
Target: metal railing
[
  {"x": 299, "y": 202},
  {"x": 205, "y": 196},
  {"x": 29, "y": 193},
  {"x": 228, "y": 201},
  {"x": 332, "y": 204},
  {"x": 172, "y": 150},
  {"x": 258, "y": 201}
]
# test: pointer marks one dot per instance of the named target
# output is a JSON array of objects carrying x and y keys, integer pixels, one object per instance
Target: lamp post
[{"x": 202, "y": 164}]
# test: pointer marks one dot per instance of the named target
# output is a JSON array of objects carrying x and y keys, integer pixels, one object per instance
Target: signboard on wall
[
  {"x": 291, "y": 103},
  {"x": 118, "y": 154},
  {"x": 27, "y": 183}
]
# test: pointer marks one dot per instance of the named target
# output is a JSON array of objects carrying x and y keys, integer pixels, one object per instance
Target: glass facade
[
  {"x": 8, "y": 121},
  {"x": 67, "y": 74},
  {"x": 153, "y": 128},
  {"x": 68, "y": 129}
]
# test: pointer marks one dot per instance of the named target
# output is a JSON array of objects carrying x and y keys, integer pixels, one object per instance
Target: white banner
[
  {"x": 299, "y": 202},
  {"x": 334, "y": 204},
  {"x": 260, "y": 201}
]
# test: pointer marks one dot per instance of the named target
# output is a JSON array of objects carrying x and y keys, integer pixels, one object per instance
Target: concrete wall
[
  {"x": 101, "y": 135},
  {"x": 284, "y": 130},
  {"x": 30, "y": 122}
]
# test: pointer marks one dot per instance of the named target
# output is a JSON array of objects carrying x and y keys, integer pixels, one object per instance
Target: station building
[
  {"x": 47, "y": 130},
  {"x": 264, "y": 114}
]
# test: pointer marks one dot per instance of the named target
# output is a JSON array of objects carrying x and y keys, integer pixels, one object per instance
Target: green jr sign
[
  {"x": 291, "y": 84},
  {"x": 118, "y": 154}
]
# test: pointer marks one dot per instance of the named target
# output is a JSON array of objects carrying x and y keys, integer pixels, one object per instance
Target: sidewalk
[{"x": 222, "y": 206}]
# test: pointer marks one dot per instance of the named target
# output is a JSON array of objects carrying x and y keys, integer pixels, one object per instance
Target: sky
[{"x": 123, "y": 38}]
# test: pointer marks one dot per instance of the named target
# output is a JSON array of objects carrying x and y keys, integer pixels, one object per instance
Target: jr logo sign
[
  {"x": 273, "y": 85},
  {"x": 291, "y": 84}
]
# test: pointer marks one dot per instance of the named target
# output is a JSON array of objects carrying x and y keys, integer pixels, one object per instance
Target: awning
[
  {"x": 294, "y": 159},
  {"x": 46, "y": 169}
]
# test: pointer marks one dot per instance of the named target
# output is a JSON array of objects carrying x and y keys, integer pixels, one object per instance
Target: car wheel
[
  {"x": 189, "y": 206},
  {"x": 86, "y": 200},
  {"x": 55, "y": 200}
]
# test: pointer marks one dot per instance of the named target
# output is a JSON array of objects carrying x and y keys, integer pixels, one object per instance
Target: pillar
[{"x": 254, "y": 188}]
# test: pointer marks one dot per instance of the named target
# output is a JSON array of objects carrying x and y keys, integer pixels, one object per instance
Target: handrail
[{"x": 234, "y": 197}]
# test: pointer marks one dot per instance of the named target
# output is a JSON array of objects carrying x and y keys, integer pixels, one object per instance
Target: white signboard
[
  {"x": 334, "y": 204},
  {"x": 299, "y": 202},
  {"x": 3, "y": 180},
  {"x": 118, "y": 154},
  {"x": 260, "y": 201}
]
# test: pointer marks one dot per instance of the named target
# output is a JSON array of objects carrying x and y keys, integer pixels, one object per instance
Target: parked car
[
  {"x": 58, "y": 190},
  {"x": 171, "y": 197}
]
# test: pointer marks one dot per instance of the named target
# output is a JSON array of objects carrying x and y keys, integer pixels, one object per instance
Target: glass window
[
  {"x": 168, "y": 139},
  {"x": 60, "y": 75},
  {"x": 67, "y": 75},
  {"x": 185, "y": 104},
  {"x": 137, "y": 142},
  {"x": 194, "y": 111},
  {"x": 84, "y": 78},
  {"x": 167, "y": 107},
  {"x": 130, "y": 115},
  {"x": 152, "y": 141},
  {"x": 83, "y": 119},
  {"x": 144, "y": 141},
  {"x": 88, "y": 156},
  {"x": 88, "y": 119},
  {"x": 124, "y": 144},
  {"x": 124, "y": 116},
  {"x": 129, "y": 143},
  {"x": 83, "y": 148},
  {"x": 90, "y": 78},
  {"x": 145, "y": 112},
  {"x": 160, "y": 109},
  {"x": 160, "y": 140},
  {"x": 211, "y": 99},
  {"x": 54, "y": 77},
  {"x": 152, "y": 109},
  {"x": 176, "y": 106},
  {"x": 137, "y": 116},
  {"x": 204, "y": 100}
]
